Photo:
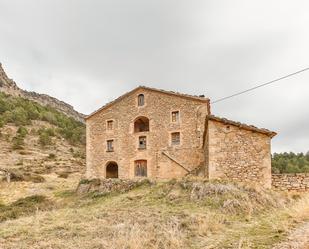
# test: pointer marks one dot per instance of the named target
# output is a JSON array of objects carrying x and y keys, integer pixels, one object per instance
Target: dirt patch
[{"x": 298, "y": 239}]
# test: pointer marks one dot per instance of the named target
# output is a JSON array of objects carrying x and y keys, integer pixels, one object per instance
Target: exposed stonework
[
  {"x": 106, "y": 186},
  {"x": 238, "y": 153},
  {"x": 291, "y": 182},
  {"x": 209, "y": 146},
  {"x": 8, "y": 86},
  {"x": 164, "y": 160}
]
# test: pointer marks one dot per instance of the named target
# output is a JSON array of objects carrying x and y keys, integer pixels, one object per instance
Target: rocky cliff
[{"x": 8, "y": 86}]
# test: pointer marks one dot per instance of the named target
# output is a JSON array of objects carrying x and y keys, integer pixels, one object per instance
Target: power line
[{"x": 259, "y": 86}]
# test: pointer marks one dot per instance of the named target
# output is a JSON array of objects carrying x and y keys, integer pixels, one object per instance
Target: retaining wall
[{"x": 291, "y": 182}]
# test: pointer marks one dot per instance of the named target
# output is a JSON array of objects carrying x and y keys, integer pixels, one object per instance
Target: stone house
[{"x": 160, "y": 134}]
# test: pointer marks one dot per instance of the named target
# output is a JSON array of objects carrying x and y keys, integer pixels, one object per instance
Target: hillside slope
[
  {"x": 8, "y": 86},
  {"x": 188, "y": 213},
  {"x": 36, "y": 139}
]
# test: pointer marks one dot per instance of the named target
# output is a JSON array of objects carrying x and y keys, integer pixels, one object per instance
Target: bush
[
  {"x": 25, "y": 206},
  {"x": 51, "y": 156},
  {"x": 45, "y": 139},
  {"x": 18, "y": 143},
  {"x": 290, "y": 163},
  {"x": 21, "y": 112},
  {"x": 22, "y": 131}
]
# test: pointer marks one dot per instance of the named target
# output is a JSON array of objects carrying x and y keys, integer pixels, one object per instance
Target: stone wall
[
  {"x": 291, "y": 182},
  {"x": 164, "y": 160},
  {"x": 238, "y": 153}
]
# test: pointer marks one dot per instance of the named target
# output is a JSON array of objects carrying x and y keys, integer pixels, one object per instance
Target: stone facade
[
  {"x": 208, "y": 146},
  {"x": 238, "y": 152},
  {"x": 291, "y": 182},
  {"x": 163, "y": 159}
]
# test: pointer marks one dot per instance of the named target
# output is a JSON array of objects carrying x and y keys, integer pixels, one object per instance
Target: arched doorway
[
  {"x": 141, "y": 124},
  {"x": 112, "y": 170}
]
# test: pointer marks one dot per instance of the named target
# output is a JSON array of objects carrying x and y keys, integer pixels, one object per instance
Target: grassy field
[{"x": 189, "y": 213}]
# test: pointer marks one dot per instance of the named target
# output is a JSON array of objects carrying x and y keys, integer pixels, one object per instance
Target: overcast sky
[{"x": 89, "y": 52}]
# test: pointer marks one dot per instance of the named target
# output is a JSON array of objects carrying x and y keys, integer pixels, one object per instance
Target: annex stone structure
[{"x": 155, "y": 133}]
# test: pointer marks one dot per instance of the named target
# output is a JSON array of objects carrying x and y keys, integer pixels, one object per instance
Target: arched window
[
  {"x": 141, "y": 124},
  {"x": 112, "y": 170},
  {"x": 141, "y": 168},
  {"x": 141, "y": 100}
]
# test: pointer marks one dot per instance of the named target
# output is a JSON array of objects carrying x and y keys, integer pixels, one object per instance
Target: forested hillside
[
  {"x": 290, "y": 162},
  {"x": 37, "y": 140},
  {"x": 23, "y": 112}
]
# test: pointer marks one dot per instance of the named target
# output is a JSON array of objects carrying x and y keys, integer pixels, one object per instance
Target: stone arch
[
  {"x": 141, "y": 124},
  {"x": 111, "y": 170}
]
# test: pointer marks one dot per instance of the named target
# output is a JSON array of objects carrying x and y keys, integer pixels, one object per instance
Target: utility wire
[{"x": 259, "y": 86}]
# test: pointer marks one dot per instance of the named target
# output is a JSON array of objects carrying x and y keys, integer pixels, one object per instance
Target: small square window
[
  {"x": 175, "y": 116},
  {"x": 175, "y": 138},
  {"x": 142, "y": 142},
  {"x": 110, "y": 145},
  {"x": 110, "y": 125}
]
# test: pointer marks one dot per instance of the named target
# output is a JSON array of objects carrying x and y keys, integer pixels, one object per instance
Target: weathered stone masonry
[
  {"x": 164, "y": 160},
  {"x": 291, "y": 182},
  {"x": 238, "y": 152},
  {"x": 197, "y": 143}
]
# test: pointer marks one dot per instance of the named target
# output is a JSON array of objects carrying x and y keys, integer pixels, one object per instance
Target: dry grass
[{"x": 176, "y": 214}]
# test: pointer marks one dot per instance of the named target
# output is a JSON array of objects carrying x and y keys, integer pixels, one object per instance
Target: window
[
  {"x": 110, "y": 145},
  {"x": 141, "y": 168},
  {"x": 141, "y": 124},
  {"x": 142, "y": 144},
  {"x": 141, "y": 100},
  {"x": 175, "y": 138},
  {"x": 175, "y": 117},
  {"x": 110, "y": 125}
]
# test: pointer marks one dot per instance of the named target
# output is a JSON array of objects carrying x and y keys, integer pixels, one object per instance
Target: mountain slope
[
  {"x": 36, "y": 140},
  {"x": 8, "y": 86},
  {"x": 188, "y": 213}
]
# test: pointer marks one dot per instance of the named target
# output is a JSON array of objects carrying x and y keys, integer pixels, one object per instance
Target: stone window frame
[
  {"x": 171, "y": 139},
  {"x": 179, "y": 117},
  {"x": 146, "y": 142},
  {"x": 138, "y": 100},
  {"x": 112, "y": 149},
  {"x": 113, "y": 128}
]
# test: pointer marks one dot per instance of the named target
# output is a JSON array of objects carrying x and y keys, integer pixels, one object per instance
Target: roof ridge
[{"x": 183, "y": 95}]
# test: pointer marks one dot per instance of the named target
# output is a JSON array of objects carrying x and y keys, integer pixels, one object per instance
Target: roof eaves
[{"x": 242, "y": 126}]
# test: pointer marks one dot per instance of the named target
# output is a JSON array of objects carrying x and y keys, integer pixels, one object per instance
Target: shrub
[
  {"x": 17, "y": 142},
  {"x": 45, "y": 139},
  {"x": 25, "y": 206},
  {"x": 21, "y": 112},
  {"x": 22, "y": 131},
  {"x": 51, "y": 156}
]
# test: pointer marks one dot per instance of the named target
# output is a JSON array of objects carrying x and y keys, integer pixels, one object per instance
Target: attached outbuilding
[{"x": 155, "y": 133}]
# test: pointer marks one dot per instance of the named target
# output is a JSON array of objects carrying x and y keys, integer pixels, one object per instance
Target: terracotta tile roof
[
  {"x": 198, "y": 98},
  {"x": 242, "y": 126}
]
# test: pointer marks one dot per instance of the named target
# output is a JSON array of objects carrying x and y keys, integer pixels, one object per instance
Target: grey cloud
[{"x": 89, "y": 52}]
